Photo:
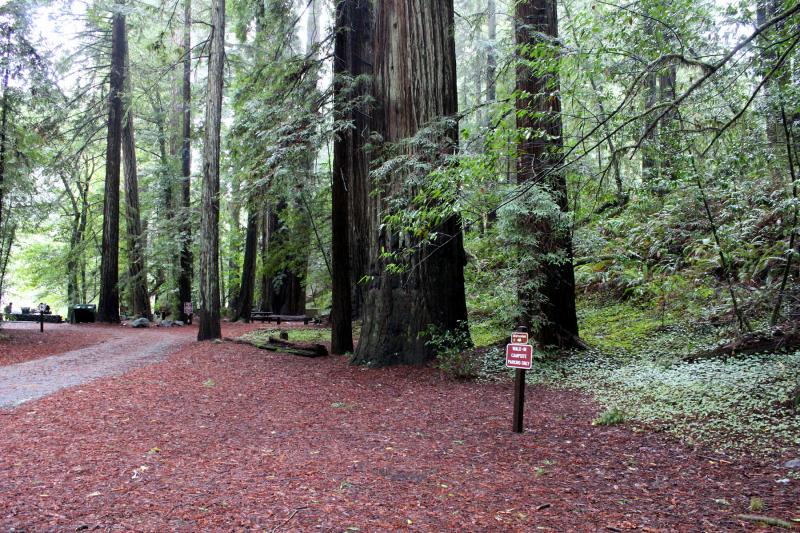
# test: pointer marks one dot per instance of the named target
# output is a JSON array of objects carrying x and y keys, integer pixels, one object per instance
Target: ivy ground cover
[{"x": 222, "y": 436}]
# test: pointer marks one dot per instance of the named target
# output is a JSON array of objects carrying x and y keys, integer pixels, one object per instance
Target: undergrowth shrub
[
  {"x": 454, "y": 354},
  {"x": 611, "y": 417}
]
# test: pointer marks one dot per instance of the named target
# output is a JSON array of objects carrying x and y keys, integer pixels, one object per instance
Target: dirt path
[{"x": 124, "y": 350}]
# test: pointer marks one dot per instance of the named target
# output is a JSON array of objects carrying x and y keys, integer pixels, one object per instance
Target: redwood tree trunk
[
  {"x": 415, "y": 83},
  {"x": 108, "y": 308},
  {"x": 209, "y": 216},
  {"x": 135, "y": 238},
  {"x": 185, "y": 272},
  {"x": 248, "y": 282},
  {"x": 547, "y": 289},
  {"x": 359, "y": 57},
  {"x": 268, "y": 224},
  {"x": 351, "y": 59}
]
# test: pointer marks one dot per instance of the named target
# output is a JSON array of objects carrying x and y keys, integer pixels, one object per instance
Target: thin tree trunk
[
  {"x": 546, "y": 285},
  {"x": 108, "y": 309},
  {"x": 491, "y": 52},
  {"x": 234, "y": 246},
  {"x": 209, "y": 217},
  {"x": 4, "y": 132},
  {"x": 185, "y": 273},
  {"x": 136, "y": 261},
  {"x": 790, "y": 158},
  {"x": 415, "y": 83}
]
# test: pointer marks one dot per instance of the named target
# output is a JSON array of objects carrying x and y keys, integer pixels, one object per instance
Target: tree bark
[
  {"x": 209, "y": 217},
  {"x": 268, "y": 224},
  {"x": 108, "y": 309},
  {"x": 359, "y": 58},
  {"x": 415, "y": 83},
  {"x": 353, "y": 25},
  {"x": 137, "y": 272},
  {"x": 185, "y": 272},
  {"x": 234, "y": 246},
  {"x": 4, "y": 129},
  {"x": 248, "y": 282},
  {"x": 546, "y": 285}
]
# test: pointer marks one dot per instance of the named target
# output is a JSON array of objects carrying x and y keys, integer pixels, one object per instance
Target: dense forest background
[{"x": 645, "y": 149}]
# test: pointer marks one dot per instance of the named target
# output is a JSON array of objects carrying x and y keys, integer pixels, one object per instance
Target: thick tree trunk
[
  {"x": 359, "y": 59},
  {"x": 415, "y": 83},
  {"x": 185, "y": 273},
  {"x": 209, "y": 215},
  {"x": 248, "y": 282},
  {"x": 353, "y": 31},
  {"x": 108, "y": 309},
  {"x": 137, "y": 272},
  {"x": 546, "y": 285}
]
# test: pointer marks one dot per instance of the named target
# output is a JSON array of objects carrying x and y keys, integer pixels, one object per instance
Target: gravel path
[{"x": 128, "y": 349}]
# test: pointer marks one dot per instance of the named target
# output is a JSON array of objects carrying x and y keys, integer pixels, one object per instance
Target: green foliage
[
  {"x": 295, "y": 334},
  {"x": 454, "y": 355},
  {"x": 743, "y": 405},
  {"x": 610, "y": 417},
  {"x": 615, "y": 326},
  {"x": 756, "y": 504}
]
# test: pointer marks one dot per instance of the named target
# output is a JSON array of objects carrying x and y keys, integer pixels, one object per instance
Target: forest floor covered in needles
[
  {"x": 22, "y": 341},
  {"x": 223, "y": 436}
]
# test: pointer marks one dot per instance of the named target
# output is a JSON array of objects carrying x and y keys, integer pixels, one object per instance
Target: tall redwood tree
[
  {"x": 547, "y": 284},
  {"x": 209, "y": 215},
  {"x": 350, "y": 180},
  {"x": 185, "y": 272},
  {"x": 137, "y": 272},
  {"x": 108, "y": 308},
  {"x": 414, "y": 85}
]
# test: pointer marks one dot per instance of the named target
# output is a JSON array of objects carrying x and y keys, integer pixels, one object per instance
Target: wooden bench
[
  {"x": 259, "y": 316},
  {"x": 268, "y": 317},
  {"x": 288, "y": 318}
]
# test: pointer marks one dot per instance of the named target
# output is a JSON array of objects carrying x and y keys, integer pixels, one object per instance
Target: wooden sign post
[
  {"x": 42, "y": 307},
  {"x": 519, "y": 356}
]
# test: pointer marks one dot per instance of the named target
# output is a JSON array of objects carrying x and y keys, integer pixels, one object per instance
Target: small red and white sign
[
  {"x": 519, "y": 356},
  {"x": 519, "y": 338}
]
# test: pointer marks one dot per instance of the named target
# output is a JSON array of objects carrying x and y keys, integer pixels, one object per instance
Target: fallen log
[
  {"x": 274, "y": 344},
  {"x": 750, "y": 344},
  {"x": 767, "y": 520}
]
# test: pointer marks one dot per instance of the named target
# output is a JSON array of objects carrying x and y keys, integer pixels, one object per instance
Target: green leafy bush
[
  {"x": 454, "y": 354},
  {"x": 611, "y": 417}
]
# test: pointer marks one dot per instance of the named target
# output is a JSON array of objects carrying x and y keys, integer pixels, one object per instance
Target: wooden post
[
  {"x": 519, "y": 393},
  {"x": 519, "y": 399},
  {"x": 41, "y": 320}
]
